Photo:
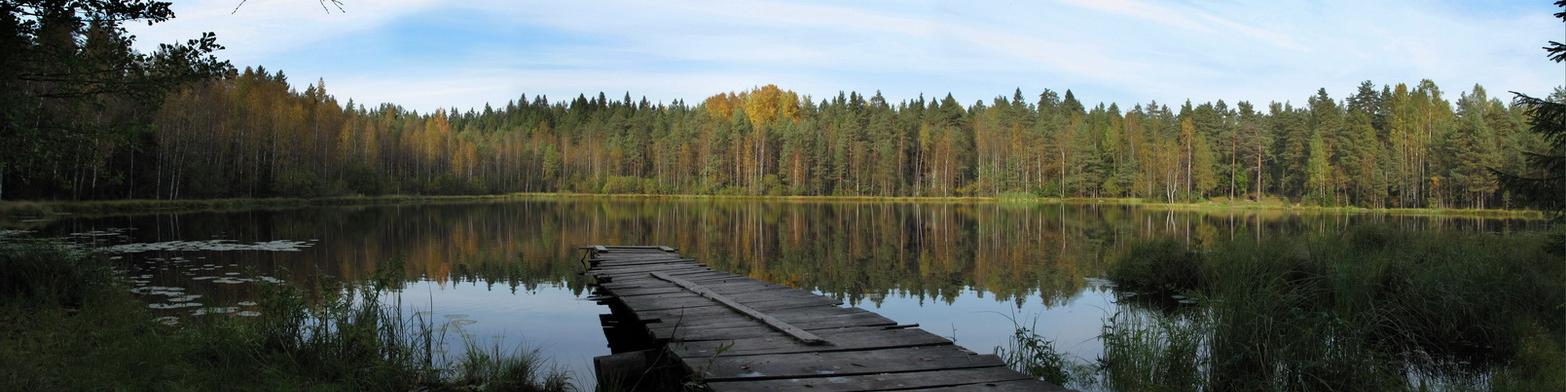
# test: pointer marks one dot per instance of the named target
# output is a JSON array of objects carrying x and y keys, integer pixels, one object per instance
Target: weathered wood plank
[
  {"x": 758, "y": 330},
  {"x": 649, "y": 268},
  {"x": 788, "y": 315},
  {"x": 665, "y": 248},
  {"x": 651, "y": 303},
  {"x": 744, "y": 296},
  {"x": 725, "y": 288},
  {"x": 698, "y": 277},
  {"x": 1003, "y": 386},
  {"x": 612, "y": 263},
  {"x": 667, "y": 330},
  {"x": 655, "y": 286},
  {"x": 878, "y": 339},
  {"x": 795, "y": 332},
  {"x": 839, "y": 363},
  {"x": 876, "y": 382}
]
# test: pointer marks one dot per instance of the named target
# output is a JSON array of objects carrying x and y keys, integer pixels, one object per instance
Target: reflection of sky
[
  {"x": 983, "y": 323},
  {"x": 563, "y": 327}
]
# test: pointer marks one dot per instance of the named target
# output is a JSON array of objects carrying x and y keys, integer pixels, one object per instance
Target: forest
[{"x": 180, "y": 124}]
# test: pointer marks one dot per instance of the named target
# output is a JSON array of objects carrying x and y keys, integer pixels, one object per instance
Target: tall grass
[
  {"x": 1035, "y": 355},
  {"x": 1146, "y": 352},
  {"x": 1364, "y": 309},
  {"x": 70, "y": 326}
]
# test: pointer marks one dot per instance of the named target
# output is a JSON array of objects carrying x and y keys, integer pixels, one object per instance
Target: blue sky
[{"x": 427, "y": 54}]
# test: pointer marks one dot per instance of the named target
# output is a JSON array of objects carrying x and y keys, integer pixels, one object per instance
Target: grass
[
  {"x": 69, "y": 325},
  {"x": 1035, "y": 355},
  {"x": 1144, "y": 353},
  {"x": 1367, "y": 309}
]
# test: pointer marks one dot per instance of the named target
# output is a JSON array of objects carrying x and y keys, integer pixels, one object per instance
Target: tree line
[{"x": 248, "y": 133}]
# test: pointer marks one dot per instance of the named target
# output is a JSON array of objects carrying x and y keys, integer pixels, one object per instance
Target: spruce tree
[{"x": 1543, "y": 183}]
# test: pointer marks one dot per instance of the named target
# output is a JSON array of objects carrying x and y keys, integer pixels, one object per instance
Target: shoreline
[{"x": 33, "y": 210}]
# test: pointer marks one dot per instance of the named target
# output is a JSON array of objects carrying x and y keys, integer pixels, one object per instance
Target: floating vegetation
[
  {"x": 176, "y": 305},
  {"x": 215, "y": 310},
  {"x": 159, "y": 290},
  {"x": 232, "y": 280},
  {"x": 210, "y": 245},
  {"x": 109, "y": 232}
]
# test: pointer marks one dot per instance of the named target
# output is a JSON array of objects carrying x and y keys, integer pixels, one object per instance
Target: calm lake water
[{"x": 508, "y": 271}]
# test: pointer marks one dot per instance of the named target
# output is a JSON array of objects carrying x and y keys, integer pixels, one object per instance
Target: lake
[{"x": 507, "y": 271}]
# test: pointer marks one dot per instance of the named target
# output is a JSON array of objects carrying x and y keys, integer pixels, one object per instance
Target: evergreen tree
[{"x": 1543, "y": 183}]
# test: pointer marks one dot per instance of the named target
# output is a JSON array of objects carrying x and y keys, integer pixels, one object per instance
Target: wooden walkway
[{"x": 739, "y": 334}]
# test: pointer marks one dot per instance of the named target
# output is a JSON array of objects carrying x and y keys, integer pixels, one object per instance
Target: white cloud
[
  {"x": 1117, "y": 50},
  {"x": 261, "y": 28}
]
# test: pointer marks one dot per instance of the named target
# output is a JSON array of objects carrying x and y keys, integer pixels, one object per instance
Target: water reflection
[{"x": 510, "y": 269}]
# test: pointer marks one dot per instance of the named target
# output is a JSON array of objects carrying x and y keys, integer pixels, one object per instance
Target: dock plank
[
  {"x": 861, "y": 340},
  {"x": 876, "y": 382},
  {"x": 839, "y": 363}
]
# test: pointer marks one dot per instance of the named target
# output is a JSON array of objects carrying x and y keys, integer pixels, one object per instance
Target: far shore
[{"x": 46, "y": 209}]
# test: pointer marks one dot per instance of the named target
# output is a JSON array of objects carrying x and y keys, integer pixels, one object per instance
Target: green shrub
[
  {"x": 38, "y": 275},
  {"x": 1160, "y": 266}
]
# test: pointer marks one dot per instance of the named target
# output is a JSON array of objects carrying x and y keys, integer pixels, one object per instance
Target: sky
[{"x": 426, "y": 54}]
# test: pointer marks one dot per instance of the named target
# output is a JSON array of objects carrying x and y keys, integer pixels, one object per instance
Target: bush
[
  {"x": 1161, "y": 266},
  {"x": 38, "y": 275},
  {"x": 621, "y": 185}
]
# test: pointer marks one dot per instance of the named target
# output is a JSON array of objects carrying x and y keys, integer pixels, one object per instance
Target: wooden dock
[{"x": 738, "y": 334}]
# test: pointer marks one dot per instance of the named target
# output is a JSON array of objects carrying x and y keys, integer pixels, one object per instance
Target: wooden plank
[
  {"x": 696, "y": 334},
  {"x": 611, "y": 263},
  {"x": 795, "y": 332},
  {"x": 1003, "y": 386},
  {"x": 648, "y": 303},
  {"x": 840, "y": 363},
  {"x": 788, "y": 315},
  {"x": 689, "y": 267},
  {"x": 876, "y": 382},
  {"x": 633, "y": 255},
  {"x": 744, "y": 296},
  {"x": 638, "y": 247},
  {"x": 878, "y": 339},
  {"x": 725, "y": 288},
  {"x": 642, "y": 280},
  {"x": 706, "y": 277},
  {"x": 665, "y": 330}
]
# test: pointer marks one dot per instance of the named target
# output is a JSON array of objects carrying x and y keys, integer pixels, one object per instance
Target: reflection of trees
[{"x": 854, "y": 251}]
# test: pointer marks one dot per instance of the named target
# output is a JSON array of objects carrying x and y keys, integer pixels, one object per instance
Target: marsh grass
[
  {"x": 69, "y": 326},
  {"x": 1364, "y": 309},
  {"x": 1034, "y": 355},
  {"x": 1145, "y": 352}
]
